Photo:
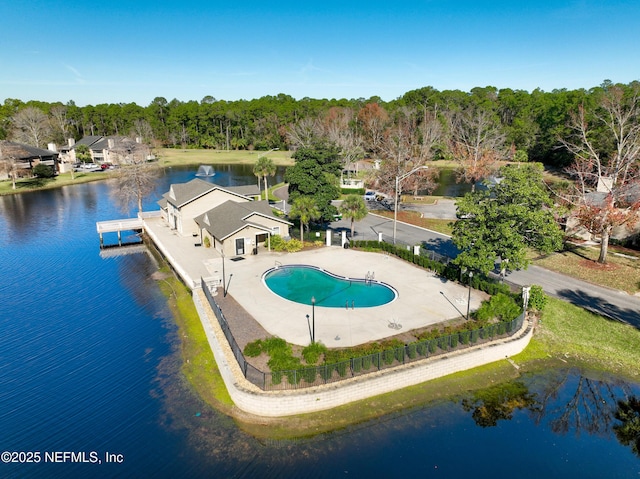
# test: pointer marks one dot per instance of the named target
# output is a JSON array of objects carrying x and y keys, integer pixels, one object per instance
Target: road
[{"x": 612, "y": 304}]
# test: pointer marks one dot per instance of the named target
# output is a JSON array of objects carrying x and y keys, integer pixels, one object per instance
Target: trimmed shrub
[
  {"x": 293, "y": 245},
  {"x": 388, "y": 356},
  {"x": 356, "y": 364},
  {"x": 411, "y": 350},
  {"x": 366, "y": 362},
  {"x": 312, "y": 352},
  {"x": 537, "y": 298},
  {"x": 421, "y": 348},
  {"x": 326, "y": 371},
  {"x": 309, "y": 375},
  {"x": 500, "y": 306},
  {"x": 253, "y": 349},
  {"x": 276, "y": 377}
]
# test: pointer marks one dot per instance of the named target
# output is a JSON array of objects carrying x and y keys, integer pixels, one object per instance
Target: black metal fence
[{"x": 358, "y": 366}]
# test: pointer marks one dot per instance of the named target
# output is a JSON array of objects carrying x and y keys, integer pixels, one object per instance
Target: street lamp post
[
  {"x": 395, "y": 204},
  {"x": 224, "y": 280},
  {"x": 313, "y": 319},
  {"x": 309, "y": 327},
  {"x": 469, "y": 298}
]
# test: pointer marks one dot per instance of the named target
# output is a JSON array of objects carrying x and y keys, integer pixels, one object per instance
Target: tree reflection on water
[
  {"x": 568, "y": 401},
  {"x": 628, "y": 430},
  {"x": 499, "y": 402}
]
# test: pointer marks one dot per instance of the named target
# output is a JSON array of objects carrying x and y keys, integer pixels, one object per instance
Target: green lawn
[
  {"x": 172, "y": 157},
  {"x": 581, "y": 262},
  {"x": 64, "y": 179},
  {"x": 414, "y": 218},
  {"x": 579, "y": 337}
]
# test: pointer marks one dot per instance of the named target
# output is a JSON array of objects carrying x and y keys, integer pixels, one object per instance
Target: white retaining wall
[{"x": 253, "y": 400}]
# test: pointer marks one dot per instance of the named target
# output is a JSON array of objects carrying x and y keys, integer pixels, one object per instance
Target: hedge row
[
  {"x": 449, "y": 271},
  {"x": 388, "y": 357}
]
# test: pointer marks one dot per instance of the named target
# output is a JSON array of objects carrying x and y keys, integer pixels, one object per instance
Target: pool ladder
[{"x": 370, "y": 276}]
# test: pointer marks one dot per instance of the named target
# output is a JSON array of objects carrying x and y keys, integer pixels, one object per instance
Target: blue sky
[{"x": 136, "y": 50}]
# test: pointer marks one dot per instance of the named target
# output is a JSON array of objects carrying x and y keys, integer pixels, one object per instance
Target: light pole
[
  {"x": 469, "y": 298},
  {"x": 313, "y": 319},
  {"x": 395, "y": 204},
  {"x": 503, "y": 268},
  {"x": 309, "y": 327},
  {"x": 224, "y": 280}
]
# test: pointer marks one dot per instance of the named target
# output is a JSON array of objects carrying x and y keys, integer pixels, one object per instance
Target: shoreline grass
[
  {"x": 198, "y": 364},
  {"x": 27, "y": 185}
]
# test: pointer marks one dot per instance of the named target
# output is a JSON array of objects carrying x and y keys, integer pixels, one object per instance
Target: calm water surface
[{"x": 89, "y": 361}]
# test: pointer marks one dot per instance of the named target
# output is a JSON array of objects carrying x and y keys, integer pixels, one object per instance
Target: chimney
[
  {"x": 138, "y": 139},
  {"x": 71, "y": 141},
  {"x": 111, "y": 143},
  {"x": 52, "y": 147}
]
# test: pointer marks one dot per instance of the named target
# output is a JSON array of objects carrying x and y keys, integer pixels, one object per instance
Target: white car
[{"x": 370, "y": 196}]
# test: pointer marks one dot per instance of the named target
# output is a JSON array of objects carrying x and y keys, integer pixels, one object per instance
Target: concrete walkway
[{"x": 423, "y": 299}]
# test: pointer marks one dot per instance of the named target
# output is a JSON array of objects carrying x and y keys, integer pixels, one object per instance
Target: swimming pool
[{"x": 300, "y": 283}]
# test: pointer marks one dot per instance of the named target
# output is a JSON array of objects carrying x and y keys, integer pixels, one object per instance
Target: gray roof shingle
[{"x": 230, "y": 217}]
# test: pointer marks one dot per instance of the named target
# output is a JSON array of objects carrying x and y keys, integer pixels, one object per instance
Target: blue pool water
[{"x": 301, "y": 283}]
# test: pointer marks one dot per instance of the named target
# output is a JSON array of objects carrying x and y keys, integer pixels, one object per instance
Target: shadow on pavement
[
  {"x": 441, "y": 246},
  {"x": 602, "y": 307}
]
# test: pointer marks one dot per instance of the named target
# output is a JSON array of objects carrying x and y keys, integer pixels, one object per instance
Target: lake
[{"x": 90, "y": 362}]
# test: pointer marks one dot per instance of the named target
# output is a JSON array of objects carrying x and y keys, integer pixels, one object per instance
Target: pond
[{"x": 90, "y": 362}]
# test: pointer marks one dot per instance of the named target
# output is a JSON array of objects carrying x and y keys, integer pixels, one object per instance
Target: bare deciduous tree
[
  {"x": 31, "y": 126},
  {"x": 338, "y": 130},
  {"x": 408, "y": 145},
  {"x": 136, "y": 176},
  {"x": 476, "y": 144},
  {"x": 606, "y": 192},
  {"x": 303, "y": 133},
  {"x": 59, "y": 122},
  {"x": 373, "y": 120},
  {"x": 9, "y": 162}
]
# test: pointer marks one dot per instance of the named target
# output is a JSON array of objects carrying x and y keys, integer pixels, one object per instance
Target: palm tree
[
  {"x": 264, "y": 167},
  {"x": 304, "y": 208},
  {"x": 353, "y": 207}
]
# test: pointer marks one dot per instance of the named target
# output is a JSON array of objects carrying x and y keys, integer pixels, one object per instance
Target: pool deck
[{"x": 423, "y": 298}]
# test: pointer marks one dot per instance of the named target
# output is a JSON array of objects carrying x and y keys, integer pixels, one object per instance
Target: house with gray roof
[
  {"x": 25, "y": 157},
  {"x": 236, "y": 229},
  {"x": 228, "y": 217},
  {"x": 114, "y": 150}
]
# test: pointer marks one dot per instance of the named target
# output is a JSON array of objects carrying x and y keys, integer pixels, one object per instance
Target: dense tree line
[{"x": 529, "y": 123}]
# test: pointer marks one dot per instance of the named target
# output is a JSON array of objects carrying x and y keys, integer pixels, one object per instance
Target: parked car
[{"x": 370, "y": 196}]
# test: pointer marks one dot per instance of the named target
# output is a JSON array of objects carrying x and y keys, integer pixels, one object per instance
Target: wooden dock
[{"x": 118, "y": 226}]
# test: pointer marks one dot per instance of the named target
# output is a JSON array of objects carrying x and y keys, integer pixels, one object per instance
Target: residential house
[
  {"x": 236, "y": 229},
  {"x": 24, "y": 158},
  {"x": 112, "y": 150},
  {"x": 228, "y": 217}
]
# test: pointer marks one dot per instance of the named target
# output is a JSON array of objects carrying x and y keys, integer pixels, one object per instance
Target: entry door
[{"x": 240, "y": 246}]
